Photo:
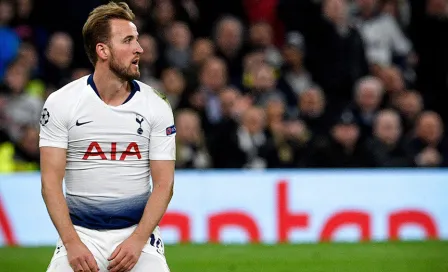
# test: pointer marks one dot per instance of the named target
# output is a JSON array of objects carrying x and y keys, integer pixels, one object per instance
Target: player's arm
[
  {"x": 162, "y": 172},
  {"x": 53, "y": 160},
  {"x": 53, "y": 144},
  {"x": 126, "y": 255},
  {"x": 162, "y": 150}
]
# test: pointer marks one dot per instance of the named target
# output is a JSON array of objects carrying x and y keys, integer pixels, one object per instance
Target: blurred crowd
[{"x": 253, "y": 83}]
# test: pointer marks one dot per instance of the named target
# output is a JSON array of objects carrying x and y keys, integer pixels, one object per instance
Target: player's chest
[{"x": 108, "y": 125}]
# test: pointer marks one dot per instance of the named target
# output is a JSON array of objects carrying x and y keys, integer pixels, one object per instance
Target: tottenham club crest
[
  {"x": 139, "y": 120},
  {"x": 44, "y": 117}
]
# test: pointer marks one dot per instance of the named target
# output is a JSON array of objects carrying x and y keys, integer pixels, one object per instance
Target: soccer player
[{"x": 106, "y": 133}]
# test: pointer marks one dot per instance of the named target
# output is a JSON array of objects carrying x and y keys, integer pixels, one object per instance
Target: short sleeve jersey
[{"x": 109, "y": 149}]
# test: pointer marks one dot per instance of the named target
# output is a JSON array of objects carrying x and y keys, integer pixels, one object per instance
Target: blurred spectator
[
  {"x": 265, "y": 11},
  {"x": 228, "y": 38},
  {"x": 394, "y": 85},
  {"x": 254, "y": 83},
  {"x": 212, "y": 78},
  {"x": 386, "y": 146},
  {"x": 26, "y": 26},
  {"x": 275, "y": 112},
  {"x": 141, "y": 8},
  {"x": 148, "y": 61},
  {"x": 252, "y": 62},
  {"x": 429, "y": 146},
  {"x": 21, "y": 108},
  {"x": 188, "y": 11},
  {"x": 393, "y": 80},
  {"x": 342, "y": 149},
  {"x": 69, "y": 18},
  {"x": 177, "y": 52},
  {"x": 289, "y": 138},
  {"x": 264, "y": 86},
  {"x": 22, "y": 18},
  {"x": 58, "y": 59},
  {"x": 367, "y": 101},
  {"x": 211, "y": 11},
  {"x": 22, "y": 155},
  {"x": 335, "y": 49},
  {"x": 294, "y": 77},
  {"x": 261, "y": 37},
  {"x": 232, "y": 106},
  {"x": 173, "y": 83},
  {"x": 28, "y": 58},
  {"x": 400, "y": 10},
  {"x": 163, "y": 14},
  {"x": 9, "y": 40},
  {"x": 429, "y": 25},
  {"x": 202, "y": 49},
  {"x": 312, "y": 111},
  {"x": 382, "y": 36},
  {"x": 190, "y": 142},
  {"x": 247, "y": 146},
  {"x": 410, "y": 106}
]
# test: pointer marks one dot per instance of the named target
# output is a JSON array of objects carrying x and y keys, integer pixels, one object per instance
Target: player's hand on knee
[
  {"x": 80, "y": 258},
  {"x": 126, "y": 255}
]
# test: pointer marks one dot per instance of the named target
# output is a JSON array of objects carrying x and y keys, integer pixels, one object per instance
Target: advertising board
[{"x": 266, "y": 206}]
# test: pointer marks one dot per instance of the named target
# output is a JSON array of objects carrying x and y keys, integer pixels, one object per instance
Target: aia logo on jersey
[{"x": 95, "y": 150}]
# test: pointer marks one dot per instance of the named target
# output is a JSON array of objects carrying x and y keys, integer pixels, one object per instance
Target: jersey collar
[{"x": 134, "y": 88}]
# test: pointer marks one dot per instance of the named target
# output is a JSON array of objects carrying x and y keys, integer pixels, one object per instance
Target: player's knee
[
  {"x": 60, "y": 264},
  {"x": 150, "y": 262}
]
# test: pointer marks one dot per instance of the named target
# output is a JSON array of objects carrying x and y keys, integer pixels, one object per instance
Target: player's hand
[
  {"x": 126, "y": 255},
  {"x": 80, "y": 257}
]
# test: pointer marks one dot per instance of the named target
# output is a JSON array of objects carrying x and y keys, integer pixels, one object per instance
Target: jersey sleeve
[
  {"x": 53, "y": 124},
  {"x": 162, "y": 142}
]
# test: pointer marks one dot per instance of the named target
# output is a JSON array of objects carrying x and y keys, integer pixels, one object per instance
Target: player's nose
[{"x": 139, "y": 49}]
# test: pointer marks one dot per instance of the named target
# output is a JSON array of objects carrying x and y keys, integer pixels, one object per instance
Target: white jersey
[{"x": 109, "y": 149}]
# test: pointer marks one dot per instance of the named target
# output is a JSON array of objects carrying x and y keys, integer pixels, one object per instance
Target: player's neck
[{"x": 112, "y": 90}]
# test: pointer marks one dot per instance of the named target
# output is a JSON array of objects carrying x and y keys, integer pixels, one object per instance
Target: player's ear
[{"x": 102, "y": 51}]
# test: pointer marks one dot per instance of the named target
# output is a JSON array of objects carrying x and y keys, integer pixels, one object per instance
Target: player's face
[{"x": 125, "y": 50}]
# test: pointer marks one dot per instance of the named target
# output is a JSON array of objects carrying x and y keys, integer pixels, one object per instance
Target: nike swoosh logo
[{"x": 83, "y": 123}]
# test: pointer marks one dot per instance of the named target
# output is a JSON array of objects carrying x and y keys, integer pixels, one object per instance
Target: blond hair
[{"x": 97, "y": 28}]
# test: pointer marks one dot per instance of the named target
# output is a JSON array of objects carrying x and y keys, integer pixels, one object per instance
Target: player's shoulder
[
  {"x": 155, "y": 97},
  {"x": 68, "y": 93}
]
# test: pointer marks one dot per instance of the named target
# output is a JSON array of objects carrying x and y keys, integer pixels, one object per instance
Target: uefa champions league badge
[
  {"x": 170, "y": 130},
  {"x": 139, "y": 120},
  {"x": 44, "y": 117}
]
